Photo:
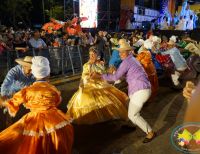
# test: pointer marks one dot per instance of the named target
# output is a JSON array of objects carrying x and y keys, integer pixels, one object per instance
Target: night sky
[{"x": 37, "y": 14}]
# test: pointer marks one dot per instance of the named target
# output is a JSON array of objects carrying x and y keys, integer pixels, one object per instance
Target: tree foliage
[
  {"x": 13, "y": 11},
  {"x": 55, "y": 9},
  {"x": 28, "y": 11}
]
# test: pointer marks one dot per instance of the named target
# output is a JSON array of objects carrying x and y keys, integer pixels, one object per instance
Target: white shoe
[
  {"x": 177, "y": 73},
  {"x": 117, "y": 82},
  {"x": 5, "y": 110},
  {"x": 175, "y": 79}
]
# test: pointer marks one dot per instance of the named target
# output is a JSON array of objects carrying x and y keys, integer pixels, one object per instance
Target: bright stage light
[{"x": 88, "y": 8}]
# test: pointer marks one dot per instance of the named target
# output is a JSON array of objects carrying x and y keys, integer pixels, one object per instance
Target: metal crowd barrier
[
  {"x": 63, "y": 60},
  {"x": 66, "y": 60}
]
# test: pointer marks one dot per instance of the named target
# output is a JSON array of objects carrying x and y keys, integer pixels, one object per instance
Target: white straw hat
[
  {"x": 173, "y": 38},
  {"x": 26, "y": 61},
  {"x": 148, "y": 44},
  {"x": 125, "y": 46}
]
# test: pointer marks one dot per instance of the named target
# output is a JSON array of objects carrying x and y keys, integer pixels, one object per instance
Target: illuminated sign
[{"x": 88, "y": 8}]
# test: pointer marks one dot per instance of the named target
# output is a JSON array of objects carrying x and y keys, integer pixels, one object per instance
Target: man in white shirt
[
  {"x": 36, "y": 42},
  {"x": 38, "y": 45},
  {"x": 190, "y": 24},
  {"x": 182, "y": 24},
  {"x": 164, "y": 24}
]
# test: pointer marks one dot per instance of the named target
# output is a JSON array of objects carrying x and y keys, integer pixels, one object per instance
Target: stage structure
[
  {"x": 134, "y": 16},
  {"x": 127, "y": 4},
  {"x": 108, "y": 14},
  {"x": 142, "y": 14},
  {"x": 101, "y": 14},
  {"x": 167, "y": 10}
]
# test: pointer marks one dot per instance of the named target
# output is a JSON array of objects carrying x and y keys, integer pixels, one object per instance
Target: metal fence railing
[{"x": 66, "y": 60}]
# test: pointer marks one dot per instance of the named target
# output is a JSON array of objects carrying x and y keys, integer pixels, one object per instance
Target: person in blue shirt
[
  {"x": 115, "y": 59},
  {"x": 39, "y": 45},
  {"x": 36, "y": 42},
  {"x": 17, "y": 78}
]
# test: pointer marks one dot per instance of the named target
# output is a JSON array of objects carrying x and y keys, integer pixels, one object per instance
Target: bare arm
[{"x": 192, "y": 112}]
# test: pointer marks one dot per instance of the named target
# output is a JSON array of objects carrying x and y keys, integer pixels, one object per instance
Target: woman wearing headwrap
[
  {"x": 145, "y": 59},
  {"x": 45, "y": 129},
  {"x": 96, "y": 100},
  {"x": 177, "y": 58},
  {"x": 154, "y": 50}
]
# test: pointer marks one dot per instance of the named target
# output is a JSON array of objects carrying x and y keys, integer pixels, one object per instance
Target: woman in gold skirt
[
  {"x": 96, "y": 101},
  {"x": 45, "y": 129}
]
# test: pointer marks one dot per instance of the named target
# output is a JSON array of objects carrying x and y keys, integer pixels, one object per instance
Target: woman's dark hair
[
  {"x": 93, "y": 49},
  {"x": 35, "y": 31}
]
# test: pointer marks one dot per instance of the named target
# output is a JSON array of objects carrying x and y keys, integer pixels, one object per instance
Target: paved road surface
[{"x": 164, "y": 114}]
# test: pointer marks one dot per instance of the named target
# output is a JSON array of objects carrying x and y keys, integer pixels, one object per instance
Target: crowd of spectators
[{"x": 25, "y": 39}]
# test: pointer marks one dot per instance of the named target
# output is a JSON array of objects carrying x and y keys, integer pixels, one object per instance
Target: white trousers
[{"x": 136, "y": 103}]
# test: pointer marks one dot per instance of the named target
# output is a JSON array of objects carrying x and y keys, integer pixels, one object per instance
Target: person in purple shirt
[{"x": 139, "y": 87}]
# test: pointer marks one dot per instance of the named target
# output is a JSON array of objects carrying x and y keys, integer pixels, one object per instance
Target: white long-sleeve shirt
[
  {"x": 190, "y": 25},
  {"x": 181, "y": 25},
  {"x": 164, "y": 25}
]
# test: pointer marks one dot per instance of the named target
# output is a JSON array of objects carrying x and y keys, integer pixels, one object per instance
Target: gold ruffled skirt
[
  {"x": 97, "y": 102},
  {"x": 39, "y": 132}
]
